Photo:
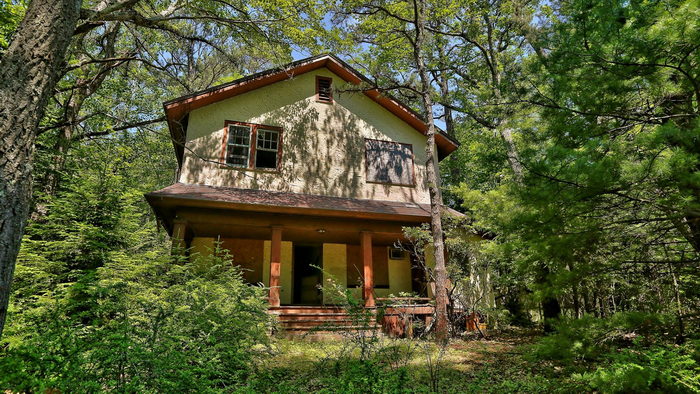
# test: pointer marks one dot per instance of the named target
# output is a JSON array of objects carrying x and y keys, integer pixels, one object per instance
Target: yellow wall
[
  {"x": 201, "y": 249},
  {"x": 399, "y": 278},
  {"x": 335, "y": 133},
  {"x": 286, "y": 270},
  {"x": 334, "y": 268}
]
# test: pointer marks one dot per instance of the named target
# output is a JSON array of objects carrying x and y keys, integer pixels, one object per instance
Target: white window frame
[{"x": 229, "y": 144}]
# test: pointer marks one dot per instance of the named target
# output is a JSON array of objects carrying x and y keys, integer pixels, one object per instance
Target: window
[
  {"x": 389, "y": 162},
  {"x": 266, "y": 148},
  {"x": 238, "y": 146},
  {"x": 324, "y": 91},
  {"x": 396, "y": 254},
  {"x": 240, "y": 151}
]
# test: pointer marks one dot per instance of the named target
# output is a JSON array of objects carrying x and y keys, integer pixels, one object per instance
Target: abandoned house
[{"x": 297, "y": 168}]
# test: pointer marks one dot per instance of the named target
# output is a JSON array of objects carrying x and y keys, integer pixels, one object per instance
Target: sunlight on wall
[
  {"x": 334, "y": 267},
  {"x": 335, "y": 133}
]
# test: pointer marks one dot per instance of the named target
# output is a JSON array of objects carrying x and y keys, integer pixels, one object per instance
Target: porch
[{"x": 296, "y": 244}]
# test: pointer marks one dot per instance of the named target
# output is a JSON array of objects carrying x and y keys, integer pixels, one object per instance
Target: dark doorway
[
  {"x": 418, "y": 277},
  {"x": 307, "y": 261}
]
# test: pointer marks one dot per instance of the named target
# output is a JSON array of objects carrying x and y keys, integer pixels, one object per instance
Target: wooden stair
[{"x": 316, "y": 319}]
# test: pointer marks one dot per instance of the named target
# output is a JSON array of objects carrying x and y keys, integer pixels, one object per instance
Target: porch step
[
  {"x": 318, "y": 322},
  {"x": 302, "y": 309},
  {"x": 316, "y": 319},
  {"x": 314, "y": 316}
]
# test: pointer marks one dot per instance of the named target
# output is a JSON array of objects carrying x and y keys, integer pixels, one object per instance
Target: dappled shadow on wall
[{"x": 322, "y": 153}]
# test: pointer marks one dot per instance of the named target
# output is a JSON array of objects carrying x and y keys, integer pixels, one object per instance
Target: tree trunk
[
  {"x": 441, "y": 324},
  {"x": 85, "y": 87},
  {"x": 551, "y": 310},
  {"x": 28, "y": 74},
  {"x": 512, "y": 152},
  {"x": 680, "y": 338}
]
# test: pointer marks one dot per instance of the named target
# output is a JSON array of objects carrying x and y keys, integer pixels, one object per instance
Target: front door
[{"x": 306, "y": 269}]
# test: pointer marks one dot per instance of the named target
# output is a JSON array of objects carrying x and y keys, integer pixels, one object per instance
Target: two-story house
[{"x": 293, "y": 169}]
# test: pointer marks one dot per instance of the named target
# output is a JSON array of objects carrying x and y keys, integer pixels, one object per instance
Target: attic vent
[{"x": 324, "y": 92}]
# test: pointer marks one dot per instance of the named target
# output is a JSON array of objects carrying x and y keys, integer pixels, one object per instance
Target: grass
[{"x": 496, "y": 365}]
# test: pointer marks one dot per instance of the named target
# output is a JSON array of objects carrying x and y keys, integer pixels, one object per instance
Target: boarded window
[
  {"x": 380, "y": 263},
  {"x": 324, "y": 90},
  {"x": 248, "y": 254},
  {"x": 389, "y": 162}
]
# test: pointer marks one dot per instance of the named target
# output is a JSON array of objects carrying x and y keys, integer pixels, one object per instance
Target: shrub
[
  {"x": 589, "y": 337},
  {"x": 156, "y": 325},
  {"x": 668, "y": 369}
]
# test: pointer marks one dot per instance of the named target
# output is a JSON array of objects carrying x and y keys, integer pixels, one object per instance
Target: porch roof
[{"x": 164, "y": 202}]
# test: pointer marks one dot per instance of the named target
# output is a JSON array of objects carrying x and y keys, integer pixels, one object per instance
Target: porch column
[
  {"x": 275, "y": 259},
  {"x": 368, "y": 268},
  {"x": 178, "y": 238}
]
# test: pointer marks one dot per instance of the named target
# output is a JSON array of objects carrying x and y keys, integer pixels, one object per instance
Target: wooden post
[
  {"x": 368, "y": 268},
  {"x": 178, "y": 238},
  {"x": 275, "y": 269}
]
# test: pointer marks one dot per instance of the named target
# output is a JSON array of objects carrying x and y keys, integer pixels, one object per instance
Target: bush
[
  {"x": 667, "y": 369},
  {"x": 588, "y": 338},
  {"x": 158, "y": 325}
]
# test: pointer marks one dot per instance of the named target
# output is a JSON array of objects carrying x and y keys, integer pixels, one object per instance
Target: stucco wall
[
  {"x": 334, "y": 268},
  {"x": 399, "y": 278},
  {"x": 323, "y": 144}
]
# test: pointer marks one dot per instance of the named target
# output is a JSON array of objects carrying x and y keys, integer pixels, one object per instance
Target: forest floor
[{"x": 499, "y": 364}]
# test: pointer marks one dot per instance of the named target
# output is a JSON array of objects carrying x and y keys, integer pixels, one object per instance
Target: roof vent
[{"x": 324, "y": 92}]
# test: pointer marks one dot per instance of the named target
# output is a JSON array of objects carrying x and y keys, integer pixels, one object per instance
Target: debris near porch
[{"x": 406, "y": 316}]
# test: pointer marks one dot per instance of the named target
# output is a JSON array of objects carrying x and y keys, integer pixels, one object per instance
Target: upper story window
[
  {"x": 324, "y": 89},
  {"x": 389, "y": 162},
  {"x": 249, "y": 145}
]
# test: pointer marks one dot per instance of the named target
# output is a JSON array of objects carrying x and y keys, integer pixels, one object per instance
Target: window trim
[
  {"x": 252, "y": 150},
  {"x": 320, "y": 78},
  {"x": 413, "y": 165}
]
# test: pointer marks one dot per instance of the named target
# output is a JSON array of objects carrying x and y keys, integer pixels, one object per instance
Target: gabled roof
[{"x": 177, "y": 110}]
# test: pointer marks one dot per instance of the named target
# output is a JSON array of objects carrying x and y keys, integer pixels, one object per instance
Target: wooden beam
[
  {"x": 245, "y": 219},
  {"x": 368, "y": 268},
  {"x": 275, "y": 268}
]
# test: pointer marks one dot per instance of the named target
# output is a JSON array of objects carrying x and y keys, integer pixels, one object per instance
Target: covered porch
[{"x": 295, "y": 244}]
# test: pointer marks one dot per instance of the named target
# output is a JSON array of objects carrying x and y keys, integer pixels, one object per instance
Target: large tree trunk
[
  {"x": 28, "y": 73},
  {"x": 441, "y": 323}
]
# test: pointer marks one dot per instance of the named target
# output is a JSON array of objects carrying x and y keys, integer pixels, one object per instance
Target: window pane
[
  {"x": 266, "y": 159},
  {"x": 237, "y": 161},
  {"x": 267, "y": 139},
  {"x": 389, "y": 162},
  {"x": 235, "y": 150}
]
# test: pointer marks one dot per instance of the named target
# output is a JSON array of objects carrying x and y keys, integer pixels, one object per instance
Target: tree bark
[
  {"x": 441, "y": 323},
  {"x": 28, "y": 74}
]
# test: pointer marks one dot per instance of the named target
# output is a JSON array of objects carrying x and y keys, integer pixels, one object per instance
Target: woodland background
[{"x": 579, "y": 165}]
